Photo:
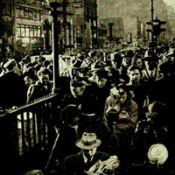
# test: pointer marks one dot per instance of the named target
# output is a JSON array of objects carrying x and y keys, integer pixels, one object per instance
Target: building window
[
  {"x": 29, "y": 31},
  {"x": 28, "y": 13},
  {"x": 6, "y": 10}
]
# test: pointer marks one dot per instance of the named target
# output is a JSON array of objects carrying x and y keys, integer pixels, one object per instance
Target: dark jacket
[
  {"x": 13, "y": 91},
  {"x": 37, "y": 90},
  {"x": 74, "y": 164}
]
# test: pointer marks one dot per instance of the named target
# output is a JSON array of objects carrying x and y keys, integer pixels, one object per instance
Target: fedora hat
[
  {"x": 171, "y": 52},
  {"x": 88, "y": 141},
  {"x": 150, "y": 55}
]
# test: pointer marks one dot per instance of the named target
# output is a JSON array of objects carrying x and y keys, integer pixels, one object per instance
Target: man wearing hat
[
  {"x": 102, "y": 89},
  {"x": 13, "y": 88},
  {"x": 152, "y": 71},
  {"x": 84, "y": 161},
  {"x": 156, "y": 162}
]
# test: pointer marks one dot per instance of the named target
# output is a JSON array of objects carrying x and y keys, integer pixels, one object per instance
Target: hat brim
[
  {"x": 83, "y": 146},
  {"x": 146, "y": 58},
  {"x": 149, "y": 58}
]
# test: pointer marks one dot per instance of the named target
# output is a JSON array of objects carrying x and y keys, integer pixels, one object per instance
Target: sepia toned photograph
[{"x": 87, "y": 87}]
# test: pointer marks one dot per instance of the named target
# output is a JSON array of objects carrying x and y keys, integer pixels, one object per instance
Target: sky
[{"x": 170, "y": 2}]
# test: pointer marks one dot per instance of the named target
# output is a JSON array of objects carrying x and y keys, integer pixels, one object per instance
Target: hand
[{"x": 123, "y": 115}]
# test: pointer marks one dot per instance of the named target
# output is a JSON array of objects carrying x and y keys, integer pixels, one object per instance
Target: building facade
[
  {"x": 27, "y": 24},
  {"x": 131, "y": 11}
]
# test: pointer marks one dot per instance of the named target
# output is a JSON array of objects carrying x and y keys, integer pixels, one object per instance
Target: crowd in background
[{"x": 125, "y": 98}]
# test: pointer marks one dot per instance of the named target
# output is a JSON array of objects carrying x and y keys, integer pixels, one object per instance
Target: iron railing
[{"x": 27, "y": 135}]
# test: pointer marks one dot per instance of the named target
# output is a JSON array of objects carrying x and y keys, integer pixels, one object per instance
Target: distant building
[
  {"x": 6, "y": 25},
  {"x": 87, "y": 25},
  {"x": 102, "y": 36},
  {"x": 133, "y": 12},
  {"x": 28, "y": 23},
  {"x": 114, "y": 28},
  {"x": 78, "y": 24},
  {"x": 171, "y": 20}
]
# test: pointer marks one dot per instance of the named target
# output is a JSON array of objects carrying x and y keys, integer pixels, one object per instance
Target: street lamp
[{"x": 55, "y": 4}]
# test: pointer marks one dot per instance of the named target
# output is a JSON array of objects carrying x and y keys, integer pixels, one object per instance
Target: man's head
[
  {"x": 77, "y": 88},
  {"x": 28, "y": 80},
  {"x": 11, "y": 65},
  {"x": 88, "y": 143},
  {"x": 101, "y": 78},
  {"x": 150, "y": 59},
  {"x": 171, "y": 55},
  {"x": 139, "y": 63},
  {"x": 126, "y": 62},
  {"x": 134, "y": 74},
  {"x": 122, "y": 93},
  {"x": 43, "y": 76}
]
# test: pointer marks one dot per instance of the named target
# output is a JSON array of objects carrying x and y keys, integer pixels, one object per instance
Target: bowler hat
[{"x": 88, "y": 141}]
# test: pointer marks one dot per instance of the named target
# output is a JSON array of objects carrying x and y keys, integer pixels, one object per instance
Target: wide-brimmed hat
[
  {"x": 150, "y": 55},
  {"x": 171, "y": 52},
  {"x": 34, "y": 172},
  {"x": 88, "y": 141}
]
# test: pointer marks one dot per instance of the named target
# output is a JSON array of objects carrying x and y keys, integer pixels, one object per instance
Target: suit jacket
[
  {"x": 74, "y": 164},
  {"x": 13, "y": 91}
]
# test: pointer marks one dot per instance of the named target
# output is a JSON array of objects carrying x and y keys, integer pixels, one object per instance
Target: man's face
[
  {"x": 44, "y": 78},
  {"x": 89, "y": 152},
  {"x": 126, "y": 61},
  {"x": 122, "y": 95},
  {"x": 135, "y": 76},
  {"x": 77, "y": 91},
  {"x": 16, "y": 68},
  {"x": 28, "y": 80},
  {"x": 172, "y": 59},
  {"x": 139, "y": 63},
  {"x": 151, "y": 64}
]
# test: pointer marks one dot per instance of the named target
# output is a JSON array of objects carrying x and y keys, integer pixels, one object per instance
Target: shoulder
[
  {"x": 72, "y": 157},
  {"x": 102, "y": 155},
  {"x": 133, "y": 104}
]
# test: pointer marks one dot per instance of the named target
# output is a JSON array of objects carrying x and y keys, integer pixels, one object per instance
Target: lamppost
[{"x": 55, "y": 4}]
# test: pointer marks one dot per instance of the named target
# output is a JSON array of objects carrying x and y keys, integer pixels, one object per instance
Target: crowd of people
[{"x": 119, "y": 101}]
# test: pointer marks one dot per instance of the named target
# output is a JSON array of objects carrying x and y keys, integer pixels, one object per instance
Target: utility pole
[
  {"x": 152, "y": 17},
  {"x": 152, "y": 10},
  {"x": 155, "y": 26}
]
